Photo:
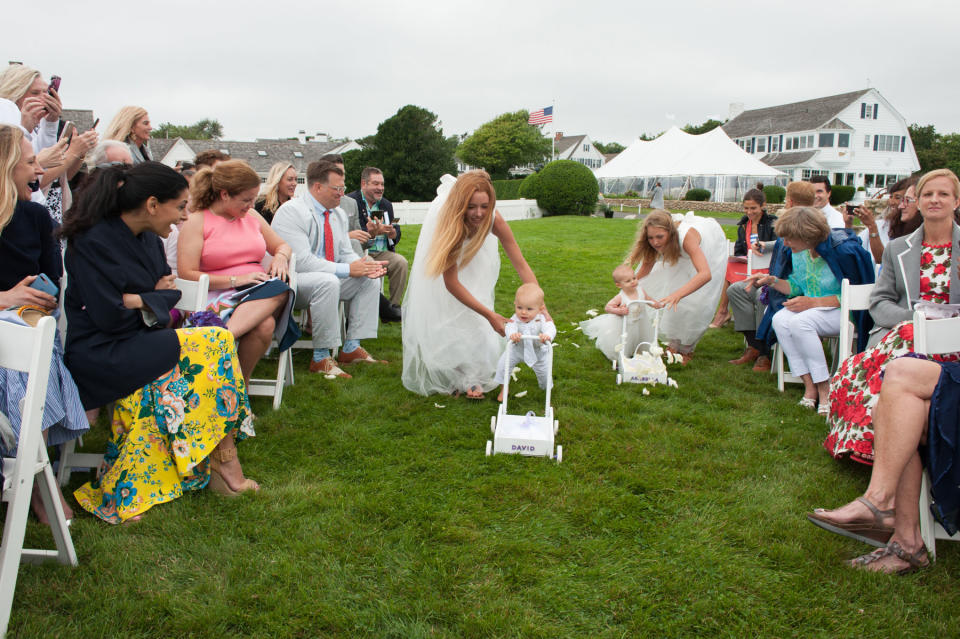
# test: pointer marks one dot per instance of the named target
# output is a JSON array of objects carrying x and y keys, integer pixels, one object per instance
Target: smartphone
[
  {"x": 43, "y": 283},
  {"x": 54, "y": 84},
  {"x": 69, "y": 128},
  {"x": 851, "y": 208},
  {"x": 95, "y": 123}
]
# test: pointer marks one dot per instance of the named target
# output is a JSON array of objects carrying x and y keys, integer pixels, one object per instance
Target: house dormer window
[
  {"x": 869, "y": 111},
  {"x": 586, "y": 147}
]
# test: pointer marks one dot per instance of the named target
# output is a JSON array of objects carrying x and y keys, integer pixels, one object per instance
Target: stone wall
[{"x": 689, "y": 205}]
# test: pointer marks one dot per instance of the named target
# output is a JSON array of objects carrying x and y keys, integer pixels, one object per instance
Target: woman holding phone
[{"x": 30, "y": 272}]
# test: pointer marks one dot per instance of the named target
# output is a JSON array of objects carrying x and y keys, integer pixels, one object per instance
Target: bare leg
[
  {"x": 252, "y": 324},
  {"x": 809, "y": 388},
  {"x": 722, "y": 316},
  {"x": 224, "y": 462}
]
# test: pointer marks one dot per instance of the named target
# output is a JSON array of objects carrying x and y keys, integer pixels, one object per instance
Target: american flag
[{"x": 541, "y": 116}]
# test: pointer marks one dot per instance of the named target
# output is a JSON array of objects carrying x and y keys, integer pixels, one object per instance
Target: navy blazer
[
  {"x": 110, "y": 351},
  {"x": 845, "y": 256},
  {"x": 27, "y": 246},
  {"x": 385, "y": 205}
]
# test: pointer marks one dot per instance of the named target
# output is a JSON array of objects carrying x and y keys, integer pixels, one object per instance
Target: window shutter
[
  {"x": 876, "y": 107},
  {"x": 903, "y": 142},
  {"x": 863, "y": 110},
  {"x": 876, "y": 139},
  {"x": 781, "y": 143}
]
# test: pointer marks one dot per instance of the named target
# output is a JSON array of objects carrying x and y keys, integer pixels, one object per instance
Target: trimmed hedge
[
  {"x": 697, "y": 195},
  {"x": 774, "y": 194},
  {"x": 529, "y": 186},
  {"x": 841, "y": 194},
  {"x": 507, "y": 189},
  {"x": 566, "y": 187}
]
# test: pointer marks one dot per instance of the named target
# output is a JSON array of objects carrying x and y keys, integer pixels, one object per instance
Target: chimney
[
  {"x": 736, "y": 108},
  {"x": 557, "y": 136}
]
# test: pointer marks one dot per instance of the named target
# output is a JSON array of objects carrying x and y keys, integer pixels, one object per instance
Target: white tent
[{"x": 681, "y": 161}]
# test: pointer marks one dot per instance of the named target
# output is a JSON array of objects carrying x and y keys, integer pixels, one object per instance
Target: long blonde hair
[
  {"x": 10, "y": 154},
  {"x": 15, "y": 81},
  {"x": 642, "y": 251},
  {"x": 269, "y": 197},
  {"x": 451, "y": 231},
  {"x": 121, "y": 126}
]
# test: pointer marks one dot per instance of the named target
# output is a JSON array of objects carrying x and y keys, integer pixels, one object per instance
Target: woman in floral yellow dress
[
  {"x": 920, "y": 266},
  {"x": 180, "y": 400}
]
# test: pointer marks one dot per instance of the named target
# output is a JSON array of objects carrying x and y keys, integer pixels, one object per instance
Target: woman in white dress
[
  {"x": 682, "y": 263},
  {"x": 451, "y": 333}
]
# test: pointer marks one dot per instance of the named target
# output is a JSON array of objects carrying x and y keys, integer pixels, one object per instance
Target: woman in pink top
[{"x": 226, "y": 239}]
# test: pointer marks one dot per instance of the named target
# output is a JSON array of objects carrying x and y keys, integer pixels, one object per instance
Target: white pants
[
  {"x": 516, "y": 357},
  {"x": 799, "y": 337},
  {"x": 322, "y": 293}
]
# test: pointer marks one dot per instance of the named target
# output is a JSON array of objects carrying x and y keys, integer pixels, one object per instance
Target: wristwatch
[{"x": 874, "y": 235}]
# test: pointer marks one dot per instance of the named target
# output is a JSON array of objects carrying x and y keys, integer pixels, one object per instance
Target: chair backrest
[
  {"x": 193, "y": 293},
  {"x": 853, "y": 297},
  {"x": 934, "y": 336}
]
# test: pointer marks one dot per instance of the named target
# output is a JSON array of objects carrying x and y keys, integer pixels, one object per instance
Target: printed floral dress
[
  {"x": 163, "y": 433},
  {"x": 855, "y": 388}
]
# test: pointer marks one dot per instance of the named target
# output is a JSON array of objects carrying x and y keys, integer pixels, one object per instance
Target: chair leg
[
  {"x": 928, "y": 531},
  {"x": 64, "y": 468}
]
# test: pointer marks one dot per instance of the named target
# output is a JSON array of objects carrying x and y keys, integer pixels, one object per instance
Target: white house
[
  {"x": 578, "y": 148},
  {"x": 856, "y": 138}
]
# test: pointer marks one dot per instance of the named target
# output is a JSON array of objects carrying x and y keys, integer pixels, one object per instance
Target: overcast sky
[{"x": 614, "y": 69}]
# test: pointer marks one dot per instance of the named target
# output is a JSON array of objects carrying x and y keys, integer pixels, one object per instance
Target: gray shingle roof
[
  {"x": 798, "y": 116},
  {"x": 83, "y": 118},
  {"x": 567, "y": 141},
  {"x": 791, "y": 158},
  {"x": 274, "y": 150}
]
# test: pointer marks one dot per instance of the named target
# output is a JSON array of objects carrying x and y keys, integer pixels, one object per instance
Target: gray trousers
[
  {"x": 745, "y": 306},
  {"x": 397, "y": 268},
  {"x": 322, "y": 294}
]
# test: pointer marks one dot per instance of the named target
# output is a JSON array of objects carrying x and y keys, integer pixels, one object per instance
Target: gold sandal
[{"x": 217, "y": 483}]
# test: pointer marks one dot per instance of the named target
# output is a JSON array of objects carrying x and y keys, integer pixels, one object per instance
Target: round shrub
[
  {"x": 841, "y": 194},
  {"x": 774, "y": 194},
  {"x": 567, "y": 187},
  {"x": 697, "y": 195},
  {"x": 529, "y": 187}
]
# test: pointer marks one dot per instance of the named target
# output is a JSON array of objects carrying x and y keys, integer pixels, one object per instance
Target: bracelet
[
  {"x": 874, "y": 235},
  {"x": 233, "y": 281}
]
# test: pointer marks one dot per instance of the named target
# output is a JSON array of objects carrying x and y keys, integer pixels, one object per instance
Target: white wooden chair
[
  {"x": 193, "y": 297},
  {"x": 853, "y": 297},
  {"x": 931, "y": 337},
  {"x": 784, "y": 376},
  {"x": 273, "y": 386},
  {"x": 29, "y": 350}
]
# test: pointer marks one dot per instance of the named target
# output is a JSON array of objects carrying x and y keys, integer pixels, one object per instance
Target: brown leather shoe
[
  {"x": 762, "y": 365},
  {"x": 358, "y": 355},
  {"x": 327, "y": 366},
  {"x": 749, "y": 355}
]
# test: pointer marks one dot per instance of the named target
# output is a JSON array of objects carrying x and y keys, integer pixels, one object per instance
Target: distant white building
[
  {"x": 578, "y": 148},
  {"x": 856, "y": 139}
]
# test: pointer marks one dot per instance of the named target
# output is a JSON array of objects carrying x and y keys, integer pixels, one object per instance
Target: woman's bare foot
[
  {"x": 475, "y": 392},
  {"x": 36, "y": 503},
  {"x": 857, "y": 511},
  {"x": 722, "y": 317}
]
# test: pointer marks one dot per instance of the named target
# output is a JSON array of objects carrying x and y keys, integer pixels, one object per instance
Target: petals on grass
[
  {"x": 646, "y": 391},
  {"x": 574, "y": 345},
  {"x": 329, "y": 376},
  {"x": 592, "y": 312},
  {"x": 436, "y": 405},
  {"x": 672, "y": 382},
  {"x": 520, "y": 394}
]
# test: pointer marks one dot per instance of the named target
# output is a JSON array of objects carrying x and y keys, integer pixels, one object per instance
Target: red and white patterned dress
[{"x": 855, "y": 388}]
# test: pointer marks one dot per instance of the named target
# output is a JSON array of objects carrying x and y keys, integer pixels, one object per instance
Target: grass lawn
[
  {"x": 727, "y": 215},
  {"x": 678, "y": 514}
]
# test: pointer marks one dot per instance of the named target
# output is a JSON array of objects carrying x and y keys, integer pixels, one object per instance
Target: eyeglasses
[
  {"x": 908, "y": 200},
  {"x": 339, "y": 189}
]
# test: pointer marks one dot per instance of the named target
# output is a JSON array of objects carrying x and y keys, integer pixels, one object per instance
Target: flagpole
[{"x": 553, "y": 133}]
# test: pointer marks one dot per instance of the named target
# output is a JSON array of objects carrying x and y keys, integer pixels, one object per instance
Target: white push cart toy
[
  {"x": 641, "y": 368},
  {"x": 524, "y": 434}
]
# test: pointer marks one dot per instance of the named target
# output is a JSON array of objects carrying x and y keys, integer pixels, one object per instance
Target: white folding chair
[
  {"x": 932, "y": 337},
  {"x": 853, "y": 297},
  {"x": 273, "y": 386},
  {"x": 784, "y": 376},
  {"x": 29, "y": 350},
  {"x": 193, "y": 297}
]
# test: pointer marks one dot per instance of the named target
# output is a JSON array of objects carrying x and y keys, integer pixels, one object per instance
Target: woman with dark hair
[
  {"x": 917, "y": 268},
  {"x": 27, "y": 250},
  {"x": 179, "y": 404},
  {"x": 899, "y": 219},
  {"x": 755, "y": 226}
]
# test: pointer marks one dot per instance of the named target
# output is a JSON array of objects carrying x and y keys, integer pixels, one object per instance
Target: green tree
[
  {"x": 935, "y": 151},
  {"x": 697, "y": 129},
  {"x": 503, "y": 143},
  {"x": 412, "y": 152},
  {"x": 205, "y": 129},
  {"x": 609, "y": 147},
  {"x": 353, "y": 165}
]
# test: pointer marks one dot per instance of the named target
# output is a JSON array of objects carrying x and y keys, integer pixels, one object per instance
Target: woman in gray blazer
[{"x": 918, "y": 266}]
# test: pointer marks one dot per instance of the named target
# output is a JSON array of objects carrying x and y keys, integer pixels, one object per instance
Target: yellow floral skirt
[{"x": 163, "y": 434}]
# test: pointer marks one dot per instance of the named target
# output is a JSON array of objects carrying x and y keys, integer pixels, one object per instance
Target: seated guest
[
  {"x": 109, "y": 152},
  {"x": 900, "y": 218},
  {"x": 745, "y": 304},
  {"x": 379, "y": 221},
  {"x": 226, "y": 239},
  {"x": 916, "y": 425},
  {"x": 916, "y": 267},
  {"x": 822, "y": 191},
  {"x": 280, "y": 187},
  {"x": 819, "y": 260},
  {"x": 359, "y": 238},
  {"x": 27, "y": 249},
  {"x": 754, "y": 226},
  {"x": 328, "y": 270},
  {"x": 178, "y": 401},
  {"x": 131, "y": 125}
]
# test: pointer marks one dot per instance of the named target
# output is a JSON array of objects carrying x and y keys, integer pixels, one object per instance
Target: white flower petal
[
  {"x": 436, "y": 405},
  {"x": 521, "y": 394},
  {"x": 330, "y": 376},
  {"x": 574, "y": 345},
  {"x": 592, "y": 312},
  {"x": 646, "y": 392}
]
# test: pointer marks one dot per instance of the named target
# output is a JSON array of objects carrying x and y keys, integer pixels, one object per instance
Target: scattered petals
[
  {"x": 329, "y": 376},
  {"x": 513, "y": 373},
  {"x": 646, "y": 392},
  {"x": 574, "y": 345},
  {"x": 579, "y": 328},
  {"x": 520, "y": 394},
  {"x": 592, "y": 312},
  {"x": 436, "y": 405},
  {"x": 672, "y": 382}
]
